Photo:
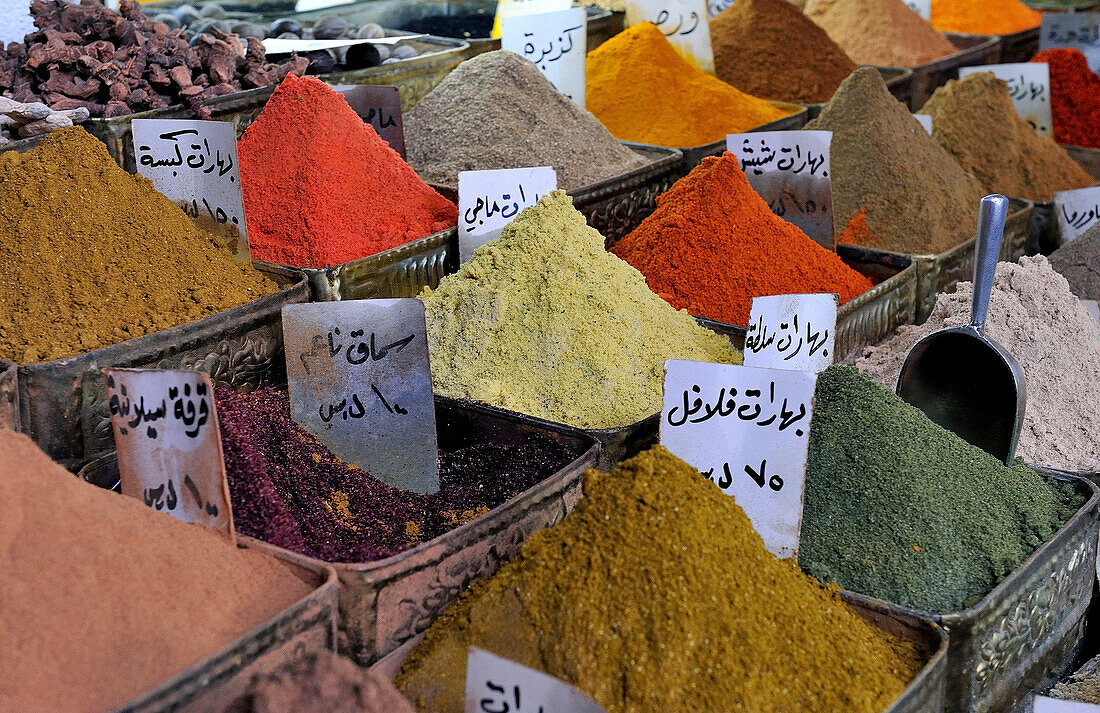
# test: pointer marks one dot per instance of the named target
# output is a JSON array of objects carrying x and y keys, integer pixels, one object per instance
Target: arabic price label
[
  {"x": 498, "y": 685},
  {"x": 169, "y": 448},
  {"x": 1029, "y": 85},
  {"x": 556, "y": 42},
  {"x": 1077, "y": 210},
  {"x": 379, "y": 106},
  {"x": 1054, "y": 705},
  {"x": 790, "y": 171},
  {"x": 796, "y": 332},
  {"x": 921, "y": 7},
  {"x": 360, "y": 381},
  {"x": 924, "y": 120},
  {"x": 488, "y": 200},
  {"x": 194, "y": 163},
  {"x": 1079, "y": 30},
  {"x": 748, "y": 431},
  {"x": 683, "y": 22},
  {"x": 510, "y": 8},
  {"x": 1092, "y": 307},
  {"x": 716, "y": 6}
]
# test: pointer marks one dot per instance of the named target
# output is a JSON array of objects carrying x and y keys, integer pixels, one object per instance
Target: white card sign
[
  {"x": 194, "y": 163},
  {"x": 306, "y": 5},
  {"x": 169, "y": 448},
  {"x": 1053, "y": 705},
  {"x": 1093, "y": 308},
  {"x": 488, "y": 200},
  {"x": 796, "y": 332},
  {"x": 1079, "y": 30},
  {"x": 748, "y": 431},
  {"x": 275, "y": 46},
  {"x": 924, "y": 120},
  {"x": 1077, "y": 210},
  {"x": 498, "y": 685},
  {"x": 360, "y": 382},
  {"x": 921, "y": 7},
  {"x": 683, "y": 22},
  {"x": 1029, "y": 86},
  {"x": 790, "y": 171},
  {"x": 510, "y": 8},
  {"x": 716, "y": 6},
  {"x": 379, "y": 106},
  {"x": 556, "y": 42}
]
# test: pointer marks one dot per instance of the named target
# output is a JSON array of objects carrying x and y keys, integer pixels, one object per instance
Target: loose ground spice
[
  {"x": 770, "y": 49},
  {"x": 321, "y": 188},
  {"x": 713, "y": 244},
  {"x": 93, "y": 256},
  {"x": 655, "y": 594},
  {"x": 288, "y": 489},
  {"x": 642, "y": 90},
  {"x": 975, "y": 120},
  {"x": 984, "y": 17},
  {"x": 103, "y": 598},
  {"x": 544, "y": 321},
  {"x": 498, "y": 111},
  {"x": 1074, "y": 97},
  {"x": 898, "y": 508},
  {"x": 1077, "y": 262},
  {"x": 885, "y": 33},
  {"x": 1033, "y": 314},
  {"x": 915, "y": 197}
]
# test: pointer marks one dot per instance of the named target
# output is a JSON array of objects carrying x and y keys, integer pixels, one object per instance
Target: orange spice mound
[
  {"x": 856, "y": 232},
  {"x": 713, "y": 244},
  {"x": 984, "y": 17}
]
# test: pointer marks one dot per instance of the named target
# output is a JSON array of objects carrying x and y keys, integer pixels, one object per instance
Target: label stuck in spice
[
  {"x": 921, "y": 7},
  {"x": 276, "y": 46},
  {"x": 489, "y": 200},
  {"x": 1077, "y": 210},
  {"x": 1077, "y": 30},
  {"x": 495, "y": 685},
  {"x": 1029, "y": 85},
  {"x": 359, "y": 380},
  {"x": 509, "y": 8},
  {"x": 748, "y": 431},
  {"x": 790, "y": 171},
  {"x": 716, "y": 6},
  {"x": 379, "y": 106},
  {"x": 169, "y": 447},
  {"x": 796, "y": 332},
  {"x": 194, "y": 164},
  {"x": 556, "y": 42},
  {"x": 924, "y": 120},
  {"x": 1054, "y": 705},
  {"x": 683, "y": 22}
]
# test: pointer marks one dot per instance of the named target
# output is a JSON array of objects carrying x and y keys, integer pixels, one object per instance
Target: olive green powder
[
  {"x": 898, "y": 508},
  {"x": 544, "y": 321}
]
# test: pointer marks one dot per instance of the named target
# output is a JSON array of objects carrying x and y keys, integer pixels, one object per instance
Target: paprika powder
[
  {"x": 984, "y": 17},
  {"x": 1074, "y": 97}
]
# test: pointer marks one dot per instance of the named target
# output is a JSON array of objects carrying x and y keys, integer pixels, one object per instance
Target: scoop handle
[{"x": 991, "y": 227}]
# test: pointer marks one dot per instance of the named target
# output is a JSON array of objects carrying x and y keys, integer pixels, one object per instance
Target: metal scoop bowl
[{"x": 960, "y": 378}]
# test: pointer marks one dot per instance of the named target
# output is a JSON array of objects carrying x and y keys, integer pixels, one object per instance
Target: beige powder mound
[
  {"x": 546, "y": 322},
  {"x": 884, "y": 33},
  {"x": 1033, "y": 314},
  {"x": 103, "y": 598}
]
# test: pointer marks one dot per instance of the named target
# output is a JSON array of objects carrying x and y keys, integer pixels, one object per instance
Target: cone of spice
[
  {"x": 1077, "y": 262},
  {"x": 713, "y": 244},
  {"x": 770, "y": 49},
  {"x": 642, "y": 90},
  {"x": 884, "y": 33},
  {"x": 984, "y": 17},
  {"x": 1074, "y": 97}
]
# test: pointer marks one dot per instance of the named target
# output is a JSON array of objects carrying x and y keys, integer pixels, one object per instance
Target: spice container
[
  {"x": 1087, "y": 158},
  {"x": 973, "y": 50},
  {"x": 899, "y": 80},
  {"x": 1019, "y": 46},
  {"x": 9, "y": 396},
  {"x": 798, "y": 117}
]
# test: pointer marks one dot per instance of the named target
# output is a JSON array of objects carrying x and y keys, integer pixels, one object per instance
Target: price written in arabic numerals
[{"x": 166, "y": 495}]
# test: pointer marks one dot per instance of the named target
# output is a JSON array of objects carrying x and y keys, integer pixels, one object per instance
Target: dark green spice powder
[{"x": 898, "y": 508}]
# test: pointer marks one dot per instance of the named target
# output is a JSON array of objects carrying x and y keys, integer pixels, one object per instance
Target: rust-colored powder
[
  {"x": 321, "y": 187},
  {"x": 103, "y": 598},
  {"x": 713, "y": 244},
  {"x": 885, "y": 33},
  {"x": 1074, "y": 97}
]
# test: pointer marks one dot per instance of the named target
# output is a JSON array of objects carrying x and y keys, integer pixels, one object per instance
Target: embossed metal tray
[
  {"x": 973, "y": 50},
  {"x": 1003, "y": 645},
  {"x": 694, "y": 155},
  {"x": 899, "y": 80},
  {"x": 63, "y": 405}
]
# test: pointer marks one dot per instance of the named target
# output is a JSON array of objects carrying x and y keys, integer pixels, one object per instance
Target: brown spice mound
[
  {"x": 768, "y": 48},
  {"x": 92, "y": 255},
  {"x": 884, "y": 33},
  {"x": 916, "y": 198},
  {"x": 975, "y": 120},
  {"x": 103, "y": 598}
]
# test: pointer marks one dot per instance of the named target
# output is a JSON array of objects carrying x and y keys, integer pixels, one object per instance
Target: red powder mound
[
  {"x": 321, "y": 187},
  {"x": 1074, "y": 97},
  {"x": 713, "y": 244}
]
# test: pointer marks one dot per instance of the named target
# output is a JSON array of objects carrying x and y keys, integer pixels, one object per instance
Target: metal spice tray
[
  {"x": 1046, "y": 233},
  {"x": 1003, "y": 645},
  {"x": 1087, "y": 158},
  {"x": 973, "y": 50},
  {"x": 924, "y": 694},
  {"x": 899, "y": 80},
  {"x": 694, "y": 155},
  {"x": 1019, "y": 46},
  {"x": 63, "y": 405}
]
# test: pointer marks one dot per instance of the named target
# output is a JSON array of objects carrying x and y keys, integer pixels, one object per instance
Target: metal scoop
[{"x": 960, "y": 378}]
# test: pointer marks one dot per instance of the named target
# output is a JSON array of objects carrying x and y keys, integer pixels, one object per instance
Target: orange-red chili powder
[
  {"x": 321, "y": 188},
  {"x": 1074, "y": 97},
  {"x": 713, "y": 244}
]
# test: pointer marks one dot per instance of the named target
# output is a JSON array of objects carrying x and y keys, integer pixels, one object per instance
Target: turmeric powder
[
  {"x": 983, "y": 17},
  {"x": 643, "y": 90}
]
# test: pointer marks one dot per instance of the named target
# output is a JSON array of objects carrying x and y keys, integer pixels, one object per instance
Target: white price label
[
  {"x": 1029, "y": 85},
  {"x": 1079, "y": 30},
  {"x": 360, "y": 381},
  {"x": 15, "y": 21},
  {"x": 275, "y": 46},
  {"x": 1093, "y": 308},
  {"x": 1077, "y": 210},
  {"x": 921, "y": 7},
  {"x": 510, "y": 8},
  {"x": 556, "y": 42},
  {"x": 748, "y": 431},
  {"x": 796, "y": 332},
  {"x": 194, "y": 164},
  {"x": 683, "y": 22},
  {"x": 379, "y": 106},
  {"x": 1054, "y": 705},
  {"x": 307, "y": 5},
  {"x": 924, "y": 120},
  {"x": 716, "y": 6},
  {"x": 488, "y": 200},
  {"x": 169, "y": 448},
  {"x": 790, "y": 171},
  {"x": 496, "y": 685}
]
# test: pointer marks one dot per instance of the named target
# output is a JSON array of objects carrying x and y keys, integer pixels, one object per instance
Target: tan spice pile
[{"x": 884, "y": 33}]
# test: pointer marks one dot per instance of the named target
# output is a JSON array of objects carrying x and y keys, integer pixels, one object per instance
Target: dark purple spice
[{"x": 288, "y": 489}]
